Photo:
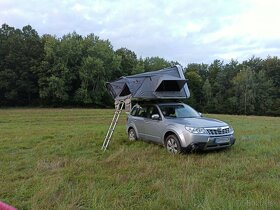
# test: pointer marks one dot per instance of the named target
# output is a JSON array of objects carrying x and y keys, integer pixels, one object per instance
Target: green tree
[
  {"x": 207, "y": 93},
  {"x": 92, "y": 75},
  {"x": 21, "y": 54},
  {"x": 73, "y": 70},
  {"x": 213, "y": 71},
  {"x": 79, "y": 68},
  {"x": 245, "y": 91},
  {"x": 264, "y": 96},
  {"x": 227, "y": 99},
  {"x": 254, "y": 63},
  {"x": 99, "y": 65},
  {"x": 156, "y": 63},
  {"x": 271, "y": 67},
  {"x": 140, "y": 67},
  {"x": 201, "y": 69},
  {"x": 195, "y": 84},
  {"x": 53, "y": 73},
  {"x": 129, "y": 62}
]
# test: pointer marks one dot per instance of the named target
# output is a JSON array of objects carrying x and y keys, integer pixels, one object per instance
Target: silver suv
[{"x": 177, "y": 126}]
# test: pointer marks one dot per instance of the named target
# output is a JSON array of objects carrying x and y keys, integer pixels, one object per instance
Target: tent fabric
[{"x": 168, "y": 83}]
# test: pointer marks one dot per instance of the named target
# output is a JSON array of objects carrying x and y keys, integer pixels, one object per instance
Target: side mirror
[
  {"x": 155, "y": 117},
  {"x": 200, "y": 114}
]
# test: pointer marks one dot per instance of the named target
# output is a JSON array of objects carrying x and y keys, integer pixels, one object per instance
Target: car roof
[
  {"x": 161, "y": 103},
  {"x": 174, "y": 103}
]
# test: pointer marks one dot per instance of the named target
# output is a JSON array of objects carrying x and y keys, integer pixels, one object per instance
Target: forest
[{"x": 71, "y": 71}]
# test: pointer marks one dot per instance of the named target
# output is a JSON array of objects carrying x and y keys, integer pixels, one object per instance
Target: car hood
[{"x": 198, "y": 122}]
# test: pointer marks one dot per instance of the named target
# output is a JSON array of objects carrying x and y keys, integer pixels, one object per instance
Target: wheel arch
[
  {"x": 168, "y": 133},
  {"x": 179, "y": 136},
  {"x": 179, "y": 148},
  {"x": 134, "y": 128}
]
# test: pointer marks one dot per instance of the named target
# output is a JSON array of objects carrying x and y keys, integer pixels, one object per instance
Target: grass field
[{"x": 51, "y": 159}]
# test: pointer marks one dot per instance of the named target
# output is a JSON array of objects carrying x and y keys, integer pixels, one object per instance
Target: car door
[
  {"x": 153, "y": 128},
  {"x": 139, "y": 122}
]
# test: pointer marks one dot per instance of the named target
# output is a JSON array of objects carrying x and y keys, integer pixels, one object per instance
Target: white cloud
[
  {"x": 79, "y": 8},
  {"x": 187, "y": 31}
]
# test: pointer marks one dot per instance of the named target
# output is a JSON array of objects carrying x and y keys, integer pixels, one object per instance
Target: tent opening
[
  {"x": 125, "y": 91},
  {"x": 169, "y": 85}
]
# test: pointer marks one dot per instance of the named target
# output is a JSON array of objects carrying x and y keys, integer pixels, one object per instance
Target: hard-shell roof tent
[{"x": 168, "y": 83}]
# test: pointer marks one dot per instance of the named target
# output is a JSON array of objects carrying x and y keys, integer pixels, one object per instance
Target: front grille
[{"x": 218, "y": 131}]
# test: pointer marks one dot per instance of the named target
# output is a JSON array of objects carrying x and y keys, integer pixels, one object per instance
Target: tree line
[{"x": 72, "y": 71}]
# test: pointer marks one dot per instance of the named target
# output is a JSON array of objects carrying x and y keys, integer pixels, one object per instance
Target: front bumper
[{"x": 207, "y": 142}]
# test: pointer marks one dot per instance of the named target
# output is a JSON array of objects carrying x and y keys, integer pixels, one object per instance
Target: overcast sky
[{"x": 181, "y": 30}]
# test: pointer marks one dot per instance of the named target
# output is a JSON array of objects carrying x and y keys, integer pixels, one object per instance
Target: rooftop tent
[{"x": 168, "y": 83}]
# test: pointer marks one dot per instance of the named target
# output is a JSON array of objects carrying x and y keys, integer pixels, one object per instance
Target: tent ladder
[{"x": 111, "y": 129}]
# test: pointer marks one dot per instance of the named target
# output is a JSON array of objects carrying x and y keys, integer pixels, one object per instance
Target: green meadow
[{"x": 51, "y": 159}]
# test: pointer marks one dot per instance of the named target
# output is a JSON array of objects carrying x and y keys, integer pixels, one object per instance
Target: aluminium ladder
[{"x": 111, "y": 129}]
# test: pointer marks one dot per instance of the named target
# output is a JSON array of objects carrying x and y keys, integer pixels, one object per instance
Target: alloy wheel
[
  {"x": 131, "y": 135},
  {"x": 172, "y": 146}
]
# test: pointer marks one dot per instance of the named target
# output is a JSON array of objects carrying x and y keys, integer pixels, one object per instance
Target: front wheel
[
  {"x": 132, "y": 135},
  {"x": 173, "y": 145}
]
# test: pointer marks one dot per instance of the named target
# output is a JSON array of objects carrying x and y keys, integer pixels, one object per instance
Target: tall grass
[{"x": 51, "y": 159}]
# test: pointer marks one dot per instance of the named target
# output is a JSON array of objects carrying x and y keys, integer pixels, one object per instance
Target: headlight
[
  {"x": 196, "y": 130},
  {"x": 231, "y": 129}
]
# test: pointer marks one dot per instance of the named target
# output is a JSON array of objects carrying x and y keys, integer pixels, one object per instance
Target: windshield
[{"x": 178, "y": 111}]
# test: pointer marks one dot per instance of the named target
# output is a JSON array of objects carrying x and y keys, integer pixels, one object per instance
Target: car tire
[
  {"x": 132, "y": 135},
  {"x": 173, "y": 145}
]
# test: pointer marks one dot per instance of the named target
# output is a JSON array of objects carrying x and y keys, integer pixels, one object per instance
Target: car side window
[
  {"x": 168, "y": 111},
  {"x": 151, "y": 111},
  {"x": 133, "y": 111},
  {"x": 141, "y": 112}
]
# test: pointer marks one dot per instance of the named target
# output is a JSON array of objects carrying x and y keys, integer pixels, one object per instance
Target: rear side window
[
  {"x": 133, "y": 111},
  {"x": 139, "y": 111},
  {"x": 142, "y": 112}
]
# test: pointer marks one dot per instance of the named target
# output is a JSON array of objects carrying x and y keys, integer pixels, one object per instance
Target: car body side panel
[
  {"x": 138, "y": 124},
  {"x": 132, "y": 125},
  {"x": 154, "y": 129}
]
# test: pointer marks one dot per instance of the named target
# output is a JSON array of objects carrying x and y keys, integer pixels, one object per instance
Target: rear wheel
[
  {"x": 132, "y": 135},
  {"x": 173, "y": 145}
]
